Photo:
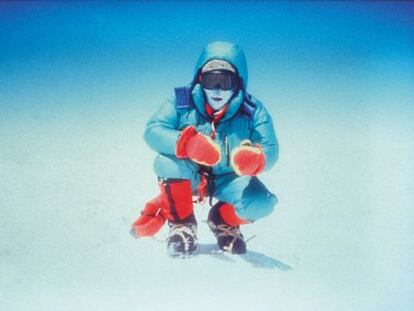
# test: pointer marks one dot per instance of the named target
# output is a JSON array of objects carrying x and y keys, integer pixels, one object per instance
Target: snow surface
[{"x": 340, "y": 238}]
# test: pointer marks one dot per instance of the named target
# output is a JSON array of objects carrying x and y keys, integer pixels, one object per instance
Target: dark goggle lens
[{"x": 220, "y": 80}]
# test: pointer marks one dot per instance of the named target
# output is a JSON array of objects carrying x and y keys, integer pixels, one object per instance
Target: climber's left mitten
[{"x": 248, "y": 159}]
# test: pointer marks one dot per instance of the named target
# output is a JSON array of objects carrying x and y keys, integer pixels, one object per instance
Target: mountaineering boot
[
  {"x": 225, "y": 225},
  {"x": 182, "y": 238},
  {"x": 177, "y": 208}
]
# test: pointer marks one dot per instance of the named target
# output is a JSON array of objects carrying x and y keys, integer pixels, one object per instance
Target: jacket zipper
[{"x": 226, "y": 144}]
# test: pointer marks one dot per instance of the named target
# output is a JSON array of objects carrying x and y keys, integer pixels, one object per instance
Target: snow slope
[{"x": 340, "y": 238}]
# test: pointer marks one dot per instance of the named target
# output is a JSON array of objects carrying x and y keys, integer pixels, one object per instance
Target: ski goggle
[{"x": 224, "y": 80}]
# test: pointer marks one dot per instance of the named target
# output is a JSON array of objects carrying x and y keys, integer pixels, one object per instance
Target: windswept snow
[{"x": 340, "y": 236}]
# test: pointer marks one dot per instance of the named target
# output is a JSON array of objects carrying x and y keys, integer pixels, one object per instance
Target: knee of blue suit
[
  {"x": 172, "y": 167},
  {"x": 254, "y": 202},
  {"x": 255, "y": 208}
]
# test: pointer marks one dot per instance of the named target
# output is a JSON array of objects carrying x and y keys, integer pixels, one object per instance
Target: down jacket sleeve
[
  {"x": 161, "y": 132},
  {"x": 263, "y": 133}
]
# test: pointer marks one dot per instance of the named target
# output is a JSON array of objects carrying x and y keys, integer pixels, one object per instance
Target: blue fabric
[
  {"x": 250, "y": 197},
  {"x": 163, "y": 129},
  {"x": 227, "y": 51},
  {"x": 183, "y": 97},
  {"x": 171, "y": 167}
]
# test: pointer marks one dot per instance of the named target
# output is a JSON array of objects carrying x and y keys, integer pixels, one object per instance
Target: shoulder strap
[
  {"x": 248, "y": 106},
  {"x": 183, "y": 97}
]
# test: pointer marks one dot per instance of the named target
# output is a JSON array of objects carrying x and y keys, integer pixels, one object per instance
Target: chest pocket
[
  {"x": 231, "y": 133},
  {"x": 238, "y": 130},
  {"x": 193, "y": 118}
]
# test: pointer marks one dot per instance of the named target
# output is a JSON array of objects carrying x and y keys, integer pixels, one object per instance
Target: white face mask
[{"x": 217, "y": 98}]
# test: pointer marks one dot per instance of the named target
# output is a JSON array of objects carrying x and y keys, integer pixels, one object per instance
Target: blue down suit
[{"x": 245, "y": 118}]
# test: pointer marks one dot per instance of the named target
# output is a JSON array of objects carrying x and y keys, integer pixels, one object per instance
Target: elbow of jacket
[
  {"x": 148, "y": 137},
  {"x": 272, "y": 158}
]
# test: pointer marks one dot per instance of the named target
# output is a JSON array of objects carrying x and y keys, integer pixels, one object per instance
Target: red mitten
[
  {"x": 150, "y": 221},
  {"x": 198, "y": 147},
  {"x": 248, "y": 159}
]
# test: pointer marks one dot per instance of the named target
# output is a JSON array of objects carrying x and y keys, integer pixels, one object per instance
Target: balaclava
[{"x": 219, "y": 81}]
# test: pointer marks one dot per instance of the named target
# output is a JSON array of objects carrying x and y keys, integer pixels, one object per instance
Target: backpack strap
[
  {"x": 183, "y": 97},
  {"x": 248, "y": 106}
]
